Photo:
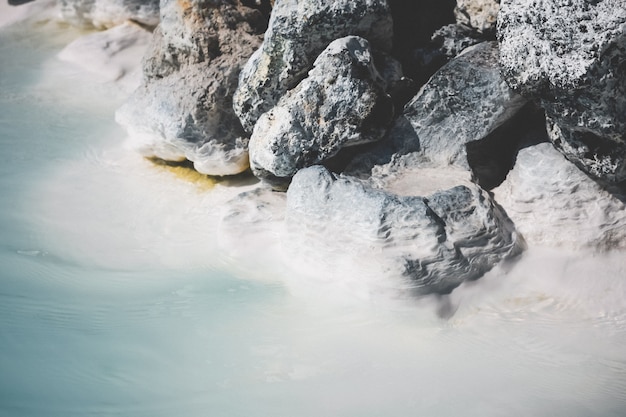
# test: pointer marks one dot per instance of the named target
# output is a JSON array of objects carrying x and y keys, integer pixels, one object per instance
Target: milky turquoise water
[{"x": 115, "y": 300}]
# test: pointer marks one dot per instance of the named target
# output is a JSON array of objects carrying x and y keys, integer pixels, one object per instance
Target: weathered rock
[
  {"x": 571, "y": 56},
  {"x": 108, "y": 13},
  {"x": 463, "y": 102},
  {"x": 184, "y": 107},
  {"x": 298, "y": 32},
  {"x": 451, "y": 40},
  {"x": 478, "y": 14},
  {"x": 553, "y": 203},
  {"x": 429, "y": 244},
  {"x": 341, "y": 103}
]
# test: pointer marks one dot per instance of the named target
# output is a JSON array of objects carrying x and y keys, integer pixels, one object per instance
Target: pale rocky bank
[{"x": 424, "y": 141}]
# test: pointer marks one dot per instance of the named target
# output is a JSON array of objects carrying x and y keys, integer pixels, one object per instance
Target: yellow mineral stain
[{"x": 184, "y": 170}]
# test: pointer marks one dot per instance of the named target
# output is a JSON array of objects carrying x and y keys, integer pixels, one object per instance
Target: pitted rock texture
[
  {"x": 463, "y": 102},
  {"x": 298, "y": 32},
  {"x": 478, "y": 14},
  {"x": 108, "y": 13},
  {"x": 432, "y": 244},
  {"x": 183, "y": 109},
  {"x": 341, "y": 103},
  {"x": 553, "y": 203},
  {"x": 571, "y": 55}
]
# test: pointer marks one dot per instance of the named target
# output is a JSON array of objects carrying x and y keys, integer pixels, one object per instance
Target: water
[{"x": 115, "y": 298}]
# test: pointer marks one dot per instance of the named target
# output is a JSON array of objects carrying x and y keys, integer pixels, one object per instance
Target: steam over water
[{"x": 116, "y": 297}]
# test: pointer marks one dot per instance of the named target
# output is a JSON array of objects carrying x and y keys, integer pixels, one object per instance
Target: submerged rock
[
  {"x": 341, "y": 103},
  {"x": 570, "y": 56},
  {"x": 553, "y": 203},
  {"x": 183, "y": 109},
  {"x": 463, "y": 102},
  {"x": 298, "y": 32},
  {"x": 108, "y": 13},
  {"x": 432, "y": 244}
]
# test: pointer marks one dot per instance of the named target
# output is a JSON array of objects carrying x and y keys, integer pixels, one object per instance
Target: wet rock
[
  {"x": 108, "y": 13},
  {"x": 298, "y": 32},
  {"x": 571, "y": 57},
  {"x": 463, "y": 102},
  {"x": 478, "y": 14},
  {"x": 341, "y": 103},
  {"x": 553, "y": 203},
  {"x": 430, "y": 244},
  {"x": 183, "y": 109}
]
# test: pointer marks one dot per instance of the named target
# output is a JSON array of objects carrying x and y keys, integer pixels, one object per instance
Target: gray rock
[
  {"x": 553, "y": 203},
  {"x": 298, "y": 32},
  {"x": 430, "y": 244},
  {"x": 463, "y": 102},
  {"x": 108, "y": 13},
  {"x": 183, "y": 109},
  {"x": 570, "y": 56},
  {"x": 478, "y": 14},
  {"x": 341, "y": 103},
  {"x": 451, "y": 40}
]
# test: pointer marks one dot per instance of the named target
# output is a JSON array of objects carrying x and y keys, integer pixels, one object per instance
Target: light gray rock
[
  {"x": 183, "y": 109},
  {"x": 553, "y": 203},
  {"x": 571, "y": 56},
  {"x": 341, "y": 103},
  {"x": 298, "y": 32},
  {"x": 451, "y": 40},
  {"x": 463, "y": 102},
  {"x": 108, "y": 13},
  {"x": 429, "y": 244},
  {"x": 478, "y": 14}
]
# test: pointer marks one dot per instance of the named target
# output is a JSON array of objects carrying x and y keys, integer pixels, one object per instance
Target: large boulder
[
  {"x": 553, "y": 203},
  {"x": 183, "y": 109},
  {"x": 428, "y": 244},
  {"x": 298, "y": 32},
  {"x": 463, "y": 102},
  {"x": 108, "y": 13},
  {"x": 341, "y": 103},
  {"x": 570, "y": 56}
]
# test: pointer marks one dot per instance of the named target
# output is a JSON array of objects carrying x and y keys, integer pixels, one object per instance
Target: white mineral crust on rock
[
  {"x": 429, "y": 244},
  {"x": 553, "y": 203}
]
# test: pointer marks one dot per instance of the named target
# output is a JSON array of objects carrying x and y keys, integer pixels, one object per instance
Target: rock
[
  {"x": 478, "y": 14},
  {"x": 341, "y": 103},
  {"x": 570, "y": 56},
  {"x": 553, "y": 203},
  {"x": 298, "y": 32},
  {"x": 183, "y": 109},
  {"x": 463, "y": 102},
  {"x": 108, "y": 13},
  {"x": 113, "y": 54},
  {"x": 429, "y": 244}
]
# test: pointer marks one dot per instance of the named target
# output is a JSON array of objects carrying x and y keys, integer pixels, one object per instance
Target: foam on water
[{"x": 122, "y": 293}]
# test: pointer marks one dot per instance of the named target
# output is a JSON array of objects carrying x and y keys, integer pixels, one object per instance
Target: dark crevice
[{"x": 492, "y": 157}]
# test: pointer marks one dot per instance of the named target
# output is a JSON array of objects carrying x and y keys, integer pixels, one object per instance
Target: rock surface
[
  {"x": 114, "y": 54},
  {"x": 341, "y": 103},
  {"x": 298, "y": 32},
  {"x": 553, "y": 203},
  {"x": 478, "y": 14},
  {"x": 570, "y": 56},
  {"x": 463, "y": 102},
  {"x": 432, "y": 243},
  {"x": 183, "y": 109},
  {"x": 108, "y": 13}
]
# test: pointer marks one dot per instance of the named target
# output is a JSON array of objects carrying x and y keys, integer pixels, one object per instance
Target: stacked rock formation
[{"x": 388, "y": 134}]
